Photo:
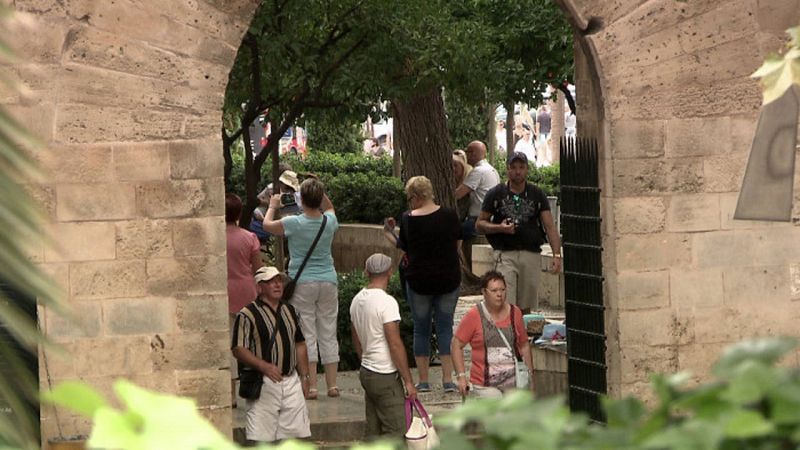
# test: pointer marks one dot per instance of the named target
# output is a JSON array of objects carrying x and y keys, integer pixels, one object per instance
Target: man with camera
[{"x": 516, "y": 217}]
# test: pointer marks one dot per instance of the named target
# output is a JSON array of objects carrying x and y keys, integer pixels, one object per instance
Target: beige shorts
[
  {"x": 280, "y": 412},
  {"x": 522, "y": 270}
]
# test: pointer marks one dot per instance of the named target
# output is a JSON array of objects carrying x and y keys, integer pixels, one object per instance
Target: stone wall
[
  {"x": 682, "y": 278},
  {"x": 354, "y": 243},
  {"x": 126, "y": 97}
]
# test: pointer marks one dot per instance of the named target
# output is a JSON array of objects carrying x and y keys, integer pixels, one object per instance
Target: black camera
[{"x": 287, "y": 199}]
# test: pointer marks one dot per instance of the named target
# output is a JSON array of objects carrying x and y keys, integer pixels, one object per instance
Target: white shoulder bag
[{"x": 523, "y": 375}]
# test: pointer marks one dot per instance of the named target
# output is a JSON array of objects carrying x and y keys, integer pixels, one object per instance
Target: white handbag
[{"x": 420, "y": 433}]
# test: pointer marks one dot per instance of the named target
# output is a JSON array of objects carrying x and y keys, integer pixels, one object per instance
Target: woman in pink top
[
  {"x": 244, "y": 257},
  {"x": 492, "y": 361}
]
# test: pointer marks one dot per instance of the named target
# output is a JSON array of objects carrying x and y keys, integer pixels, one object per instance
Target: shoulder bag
[
  {"x": 288, "y": 289},
  {"x": 420, "y": 433},
  {"x": 523, "y": 375},
  {"x": 250, "y": 379}
]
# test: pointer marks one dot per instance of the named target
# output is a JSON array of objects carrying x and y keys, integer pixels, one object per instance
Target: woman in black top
[{"x": 430, "y": 235}]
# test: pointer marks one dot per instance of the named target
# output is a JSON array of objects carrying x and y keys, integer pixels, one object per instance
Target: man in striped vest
[{"x": 267, "y": 339}]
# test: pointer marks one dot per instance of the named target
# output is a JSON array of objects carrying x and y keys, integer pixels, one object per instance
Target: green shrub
[
  {"x": 365, "y": 197},
  {"x": 349, "y": 285},
  {"x": 338, "y": 163}
]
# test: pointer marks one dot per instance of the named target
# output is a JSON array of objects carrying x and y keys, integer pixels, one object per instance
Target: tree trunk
[
  {"x": 510, "y": 142},
  {"x": 424, "y": 142},
  {"x": 557, "y": 125},
  {"x": 491, "y": 128}
]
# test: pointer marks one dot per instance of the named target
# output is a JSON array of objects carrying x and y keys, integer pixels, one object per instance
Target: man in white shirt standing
[
  {"x": 482, "y": 178},
  {"x": 384, "y": 373}
]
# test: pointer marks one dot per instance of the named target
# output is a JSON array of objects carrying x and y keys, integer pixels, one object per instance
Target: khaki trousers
[{"x": 522, "y": 270}]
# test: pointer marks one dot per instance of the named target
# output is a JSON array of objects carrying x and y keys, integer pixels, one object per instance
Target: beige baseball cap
[{"x": 266, "y": 273}]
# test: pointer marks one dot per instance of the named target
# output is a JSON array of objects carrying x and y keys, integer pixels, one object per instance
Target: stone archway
[{"x": 126, "y": 95}]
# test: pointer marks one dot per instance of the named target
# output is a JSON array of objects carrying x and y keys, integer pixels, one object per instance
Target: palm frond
[{"x": 20, "y": 220}]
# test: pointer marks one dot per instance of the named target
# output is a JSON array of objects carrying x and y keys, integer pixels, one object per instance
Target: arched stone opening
[{"x": 126, "y": 96}]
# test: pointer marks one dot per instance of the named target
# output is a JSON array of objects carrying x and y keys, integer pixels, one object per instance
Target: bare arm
[
  {"x": 462, "y": 191},
  {"x": 270, "y": 370},
  {"x": 399, "y": 357},
  {"x": 327, "y": 204},
  {"x": 484, "y": 226},
  {"x": 301, "y": 351},
  {"x": 457, "y": 353},
  {"x": 553, "y": 238},
  {"x": 356, "y": 341},
  {"x": 270, "y": 224}
]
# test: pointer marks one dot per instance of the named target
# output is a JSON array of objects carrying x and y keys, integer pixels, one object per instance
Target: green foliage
[
  {"x": 751, "y": 405},
  {"x": 547, "y": 177},
  {"x": 365, "y": 198},
  {"x": 329, "y": 133},
  {"x": 780, "y": 72},
  {"x": 466, "y": 120},
  {"x": 336, "y": 163},
  {"x": 349, "y": 285}
]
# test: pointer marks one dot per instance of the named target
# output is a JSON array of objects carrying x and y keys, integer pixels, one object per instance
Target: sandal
[
  {"x": 312, "y": 394},
  {"x": 333, "y": 391}
]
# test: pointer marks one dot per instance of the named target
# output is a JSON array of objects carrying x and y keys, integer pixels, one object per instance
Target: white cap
[{"x": 266, "y": 273}]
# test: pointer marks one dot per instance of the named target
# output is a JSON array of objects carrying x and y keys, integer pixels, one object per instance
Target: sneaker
[
  {"x": 423, "y": 387},
  {"x": 449, "y": 387}
]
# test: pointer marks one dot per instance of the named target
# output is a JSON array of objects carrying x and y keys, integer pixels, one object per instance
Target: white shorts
[{"x": 280, "y": 412}]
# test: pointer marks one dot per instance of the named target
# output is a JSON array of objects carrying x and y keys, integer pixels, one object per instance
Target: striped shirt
[{"x": 255, "y": 325}]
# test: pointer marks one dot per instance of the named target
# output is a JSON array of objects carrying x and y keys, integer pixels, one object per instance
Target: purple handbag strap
[{"x": 416, "y": 404}]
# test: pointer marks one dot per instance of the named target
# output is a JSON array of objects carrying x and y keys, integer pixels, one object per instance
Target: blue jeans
[{"x": 440, "y": 308}]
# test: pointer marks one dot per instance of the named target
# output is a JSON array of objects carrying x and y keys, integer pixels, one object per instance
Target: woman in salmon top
[{"x": 493, "y": 362}]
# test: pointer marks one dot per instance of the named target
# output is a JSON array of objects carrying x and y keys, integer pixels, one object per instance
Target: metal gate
[{"x": 583, "y": 276}]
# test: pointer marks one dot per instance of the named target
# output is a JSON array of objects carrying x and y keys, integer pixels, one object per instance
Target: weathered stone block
[
  {"x": 221, "y": 418},
  {"x": 699, "y": 358},
  {"x": 196, "y": 159},
  {"x": 139, "y": 316},
  {"x": 207, "y": 387},
  {"x": 95, "y": 201},
  {"x": 649, "y": 328},
  {"x": 57, "y": 273},
  {"x": 117, "y": 356},
  {"x": 637, "y": 138},
  {"x": 685, "y": 175},
  {"x": 727, "y": 204},
  {"x": 652, "y": 252},
  {"x": 38, "y": 118},
  {"x": 699, "y": 212},
  {"x": 643, "y": 290},
  {"x": 698, "y": 136},
  {"x": 639, "y": 362},
  {"x": 203, "y": 236},
  {"x": 44, "y": 196},
  {"x": 144, "y": 239},
  {"x": 722, "y": 249},
  {"x": 764, "y": 285},
  {"x": 639, "y": 177},
  {"x": 197, "y": 351},
  {"x": 718, "y": 325},
  {"x": 82, "y": 319},
  {"x": 45, "y": 48},
  {"x": 76, "y": 163},
  {"x": 635, "y": 215},
  {"x": 108, "y": 279},
  {"x": 202, "y": 313},
  {"x": 794, "y": 281},
  {"x": 193, "y": 198},
  {"x": 778, "y": 16},
  {"x": 690, "y": 288},
  {"x": 141, "y": 162},
  {"x": 82, "y": 241},
  {"x": 194, "y": 275},
  {"x": 78, "y": 124},
  {"x": 724, "y": 173}
]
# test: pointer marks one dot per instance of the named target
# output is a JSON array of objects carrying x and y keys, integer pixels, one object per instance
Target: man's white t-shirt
[
  {"x": 369, "y": 311},
  {"x": 482, "y": 178}
]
